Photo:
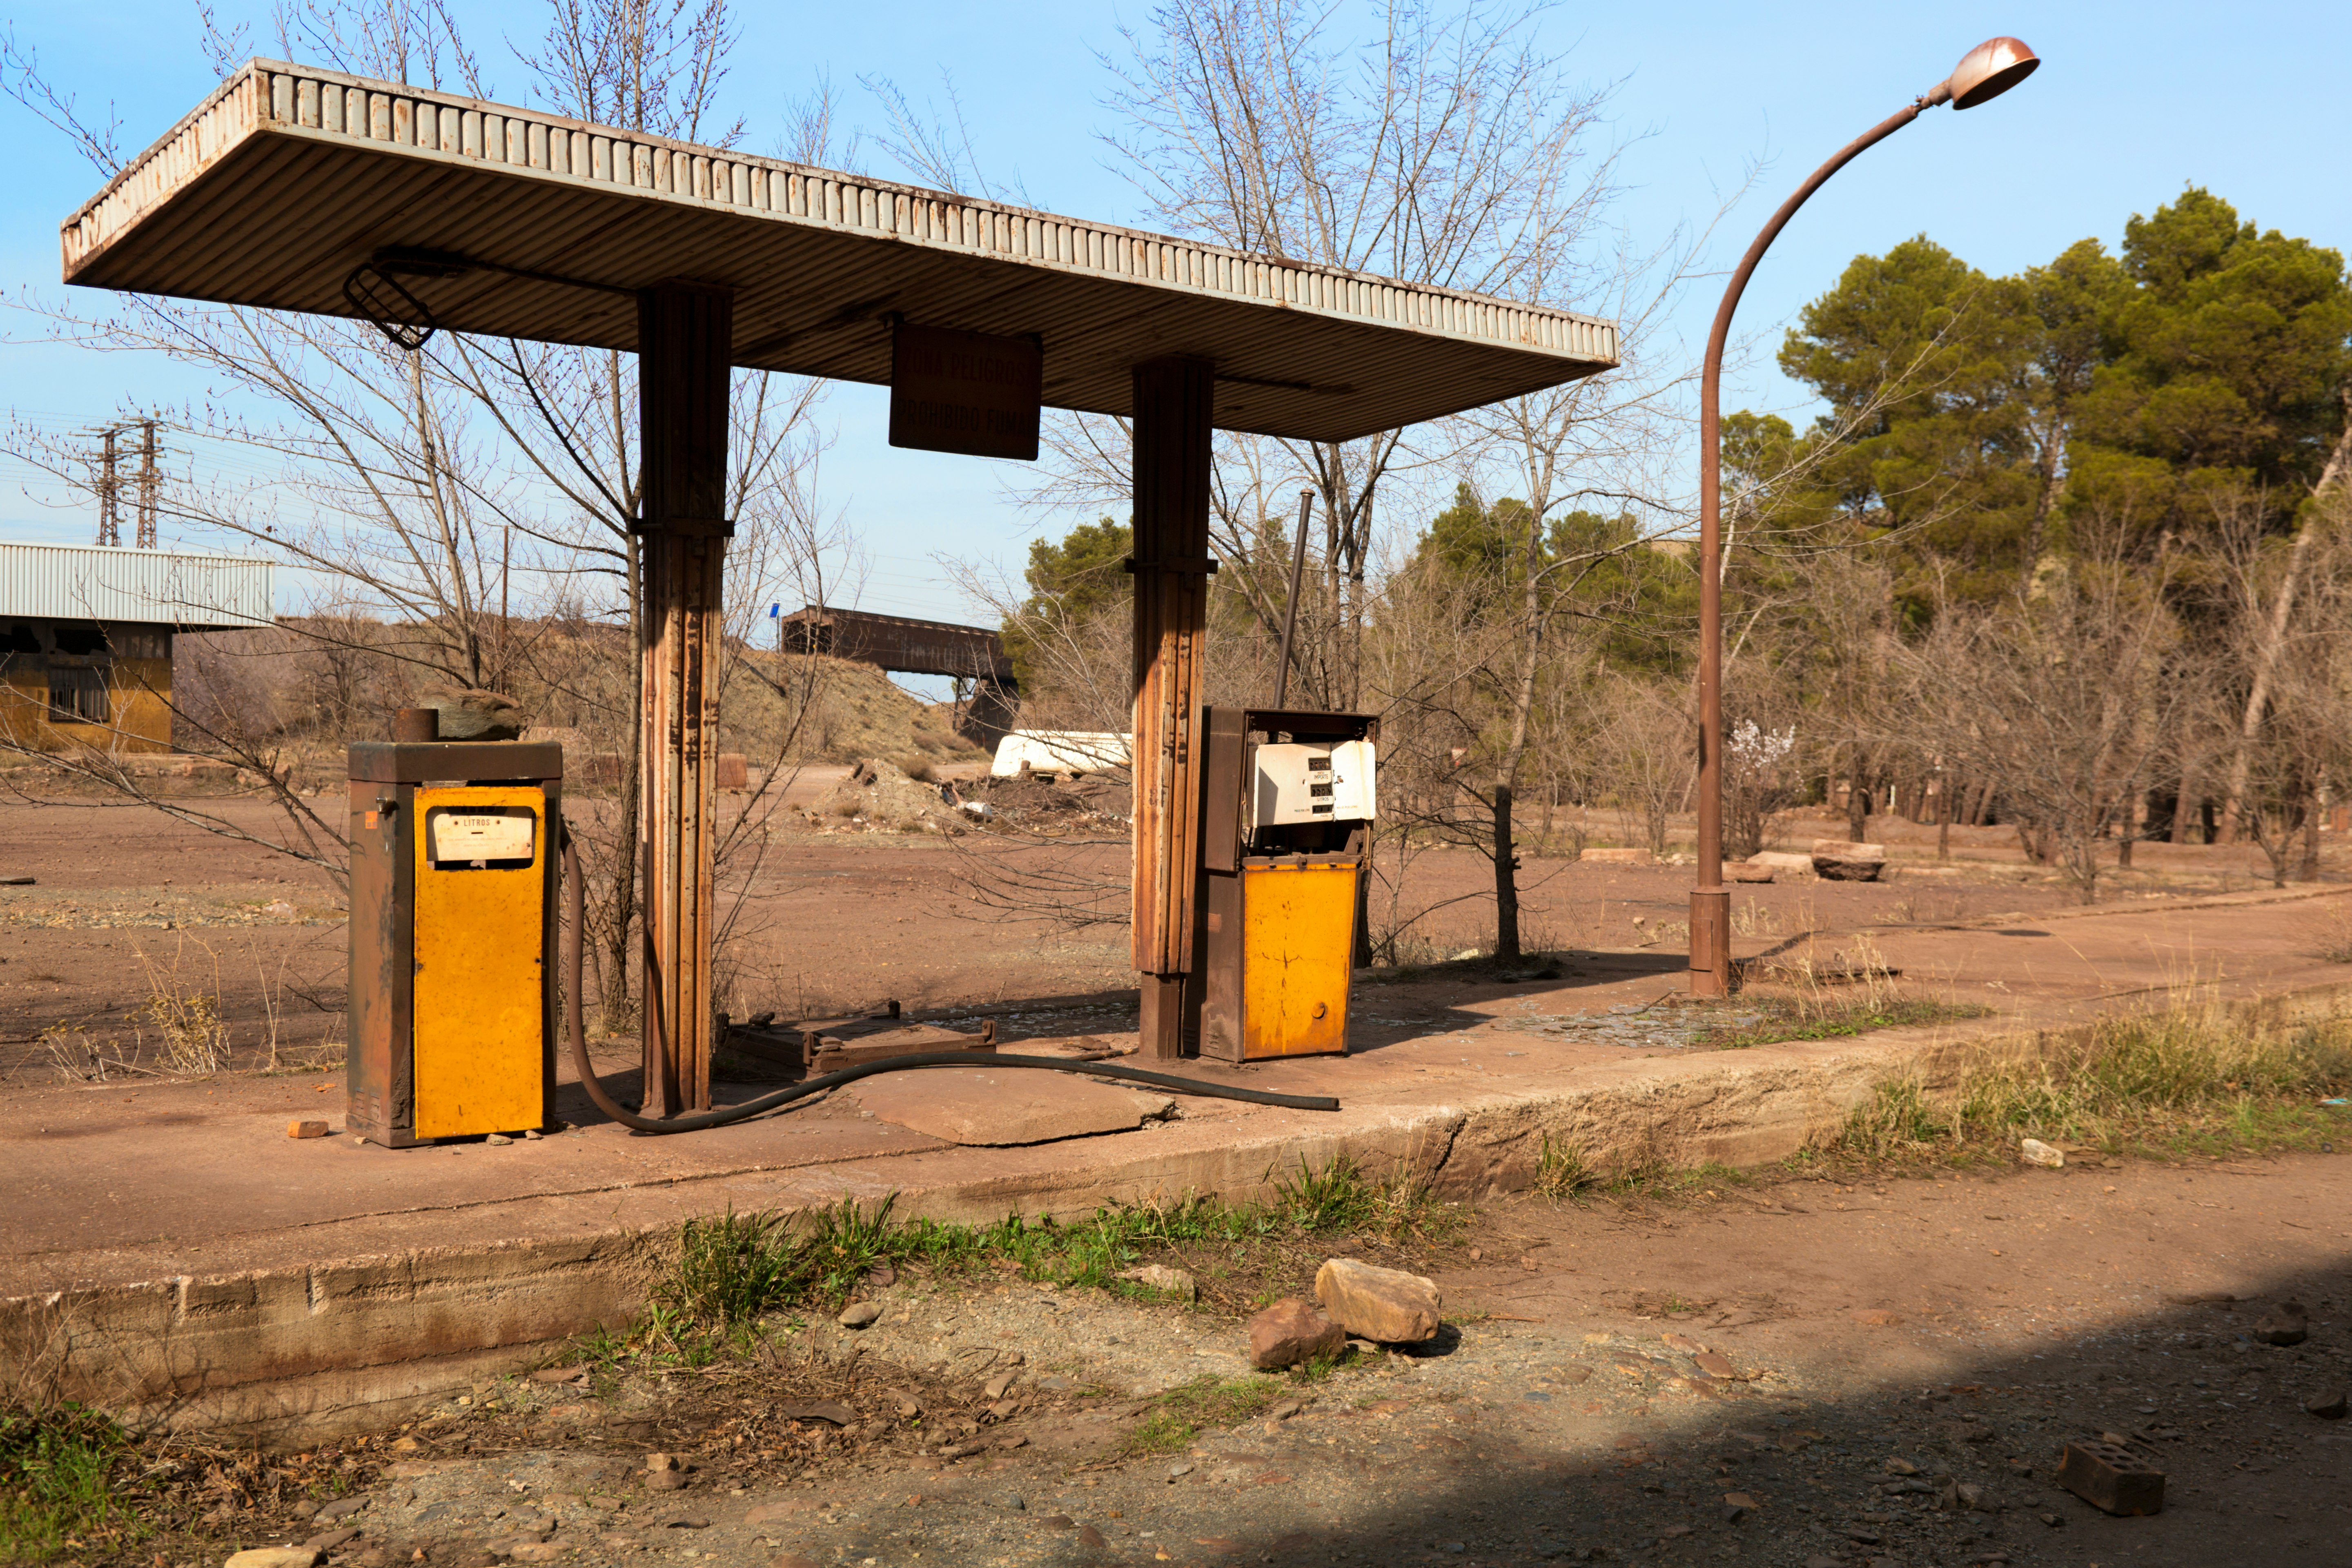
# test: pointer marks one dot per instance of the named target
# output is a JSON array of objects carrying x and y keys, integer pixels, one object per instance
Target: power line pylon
[
  {"x": 109, "y": 521},
  {"x": 146, "y": 484}
]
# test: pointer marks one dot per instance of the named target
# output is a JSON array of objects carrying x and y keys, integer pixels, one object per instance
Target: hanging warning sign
[{"x": 965, "y": 391}]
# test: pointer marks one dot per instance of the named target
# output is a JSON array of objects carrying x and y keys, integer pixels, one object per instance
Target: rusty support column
[
  {"x": 1172, "y": 410},
  {"x": 685, "y": 337}
]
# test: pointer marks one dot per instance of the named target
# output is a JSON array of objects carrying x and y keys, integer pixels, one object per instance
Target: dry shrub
[{"x": 193, "y": 1035}]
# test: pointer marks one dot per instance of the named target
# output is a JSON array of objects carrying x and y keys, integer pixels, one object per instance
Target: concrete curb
[
  {"x": 297, "y": 1355},
  {"x": 301, "y": 1354}
]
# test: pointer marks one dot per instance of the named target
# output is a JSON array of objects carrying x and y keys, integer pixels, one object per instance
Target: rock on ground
[
  {"x": 1289, "y": 1331},
  {"x": 1839, "y": 860},
  {"x": 1160, "y": 1277},
  {"x": 1386, "y": 1306},
  {"x": 2288, "y": 1324},
  {"x": 2034, "y": 1151}
]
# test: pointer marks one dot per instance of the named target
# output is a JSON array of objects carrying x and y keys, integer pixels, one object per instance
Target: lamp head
[{"x": 1985, "y": 72}]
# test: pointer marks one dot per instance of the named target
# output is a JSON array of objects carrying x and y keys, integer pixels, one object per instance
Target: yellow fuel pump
[
  {"x": 1289, "y": 801},
  {"x": 453, "y": 930}
]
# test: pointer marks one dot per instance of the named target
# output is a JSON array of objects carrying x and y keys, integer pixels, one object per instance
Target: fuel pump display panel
[
  {"x": 460, "y": 836},
  {"x": 478, "y": 977}
]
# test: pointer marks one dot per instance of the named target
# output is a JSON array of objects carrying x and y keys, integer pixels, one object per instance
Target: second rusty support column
[
  {"x": 685, "y": 342},
  {"x": 1173, "y": 405}
]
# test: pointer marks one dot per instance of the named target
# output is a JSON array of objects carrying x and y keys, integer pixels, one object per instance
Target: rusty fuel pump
[
  {"x": 1287, "y": 802},
  {"x": 1287, "y": 810},
  {"x": 453, "y": 933},
  {"x": 457, "y": 847}
]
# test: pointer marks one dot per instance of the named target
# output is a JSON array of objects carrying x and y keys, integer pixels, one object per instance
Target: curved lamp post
[{"x": 1985, "y": 72}]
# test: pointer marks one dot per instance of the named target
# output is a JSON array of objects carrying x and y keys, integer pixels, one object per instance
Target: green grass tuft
[
  {"x": 1178, "y": 1416},
  {"x": 733, "y": 1270},
  {"x": 57, "y": 1498},
  {"x": 1561, "y": 1172}
]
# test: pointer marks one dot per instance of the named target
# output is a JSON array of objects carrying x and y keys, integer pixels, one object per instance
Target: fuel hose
[{"x": 576, "y": 906}]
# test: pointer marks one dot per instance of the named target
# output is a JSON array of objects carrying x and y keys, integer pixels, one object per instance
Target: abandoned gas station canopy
[{"x": 299, "y": 189}]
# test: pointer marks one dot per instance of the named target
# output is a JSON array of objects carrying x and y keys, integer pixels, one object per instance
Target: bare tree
[
  {"x": 2287, "y": 613},
  {"x": 437, "y": 493},
  {"x": 1445, "y": 150},
  {"x": 2269, "y": 602},
  {"x": 2063, "y": 699}
]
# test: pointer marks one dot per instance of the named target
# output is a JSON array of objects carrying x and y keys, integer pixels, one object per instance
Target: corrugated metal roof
[
  {"x": 91, "y": 582},
  {"x": 288, "y": 177}
]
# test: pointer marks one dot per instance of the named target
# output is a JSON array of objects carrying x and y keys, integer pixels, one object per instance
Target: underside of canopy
[{"x": 519, "y": 224}]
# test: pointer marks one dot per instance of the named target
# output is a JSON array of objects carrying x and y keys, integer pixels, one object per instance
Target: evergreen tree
[{"x": 1070, "y": 583}]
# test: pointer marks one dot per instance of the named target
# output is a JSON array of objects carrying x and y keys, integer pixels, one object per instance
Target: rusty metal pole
[
  {"x": 1984, "y": 73},
  {"x": 1710, "y": 901},
  {"x": 685, "y": 339},
  {"x": 1172, "y": 412},
  {"x": 109, "y": 521},
  {"x": 1290, "y": 606}
]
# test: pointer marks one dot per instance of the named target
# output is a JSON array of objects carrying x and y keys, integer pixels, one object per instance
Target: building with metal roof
[{"x": 86, "y": 638}]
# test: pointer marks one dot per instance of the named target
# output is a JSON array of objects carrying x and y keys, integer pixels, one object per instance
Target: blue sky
[{"x": 2133, "y": 103}]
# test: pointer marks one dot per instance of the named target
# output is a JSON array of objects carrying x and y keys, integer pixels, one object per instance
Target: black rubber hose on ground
[{"x": 576, "y": 900}]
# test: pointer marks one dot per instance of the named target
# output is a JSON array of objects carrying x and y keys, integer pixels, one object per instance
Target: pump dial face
[{"x": 467, "y": 836}]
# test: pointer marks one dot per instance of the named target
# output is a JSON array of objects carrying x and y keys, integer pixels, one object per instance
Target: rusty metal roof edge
[{"x": 252, "y": 90}]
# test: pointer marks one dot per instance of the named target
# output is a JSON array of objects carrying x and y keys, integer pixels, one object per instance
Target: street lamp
[{"x": 1985, "y": 72}]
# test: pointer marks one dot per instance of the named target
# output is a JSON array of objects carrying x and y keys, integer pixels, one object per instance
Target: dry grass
[
  {"x": 2166, "y": 1084},
  {"x": 855, "y": 710},
  {"x": 2327, "y": 934},
  {"x": 192, "y": 1033}
]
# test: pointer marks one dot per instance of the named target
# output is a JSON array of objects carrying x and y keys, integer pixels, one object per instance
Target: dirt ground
[
  {"x": 1890, "y": 1341},
  {"x": 130, "y": 909}
]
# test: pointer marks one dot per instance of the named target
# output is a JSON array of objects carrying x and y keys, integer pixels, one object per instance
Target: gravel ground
[{"x": 1874, "y": 1411}]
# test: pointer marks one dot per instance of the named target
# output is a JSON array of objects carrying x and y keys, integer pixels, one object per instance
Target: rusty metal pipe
[
  {"x": 1290, "y": 606},
  {"x": 575, "y": 1026}
]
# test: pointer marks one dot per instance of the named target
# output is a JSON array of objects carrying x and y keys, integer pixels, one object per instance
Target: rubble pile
[{"x": 877, "y": 794}]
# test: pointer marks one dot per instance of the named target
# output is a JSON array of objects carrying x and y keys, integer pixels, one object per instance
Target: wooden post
[
  {"x": 685, "y": 339},
  {"x": 1172, "y": 410}
]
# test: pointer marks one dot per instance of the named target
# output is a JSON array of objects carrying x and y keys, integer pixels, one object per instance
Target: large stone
[
  {"x": 2288, "y": 1324},
  {"x": 1386, "y": 1306},
  {"x": 1780, "y": 860},
  {"x": 1289, "y": 1331},
  {"x": 1843, "y": 860},
  {"x": 1001, "y": 1107},
  {"x": 468, "y": 714},
  {"x": 274, "y": 1557}
]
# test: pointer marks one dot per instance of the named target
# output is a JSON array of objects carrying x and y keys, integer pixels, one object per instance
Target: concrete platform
[{"x": 168, "y": 1251}]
